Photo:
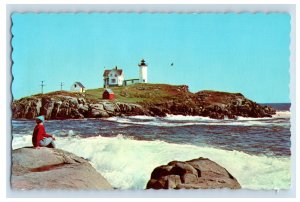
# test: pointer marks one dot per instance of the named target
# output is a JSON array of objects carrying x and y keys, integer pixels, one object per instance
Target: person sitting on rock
[{"x": 39, "y": 137}]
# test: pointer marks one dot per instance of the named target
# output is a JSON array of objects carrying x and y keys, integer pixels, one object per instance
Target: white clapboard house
[
  {"x": 113, "y": 77},
  {"x": 77, "y": 87}
]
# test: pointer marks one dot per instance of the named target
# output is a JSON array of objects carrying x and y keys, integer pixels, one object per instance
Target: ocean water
[{"x": 125, "y": 150}]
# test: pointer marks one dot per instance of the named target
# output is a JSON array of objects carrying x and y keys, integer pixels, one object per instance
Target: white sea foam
[
  {"x": 240, "y": 118},
  {"x": 71, "y": 133},
  {"x": 144, "y": 117},
  {"x": 171, "y": 117},
  {"x": 282, "y": 114},
  {"x": 279, "y": 114},
  {"x": 187, "y": 118},
  {"x": 21, "y": 141},
  {"x": 179, "y": 120},
  {"x": 127, "y": 163}
]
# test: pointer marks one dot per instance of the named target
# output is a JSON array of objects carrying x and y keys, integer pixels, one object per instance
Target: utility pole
[
  {"x": 42, "y": 85},
  {"x": 61, "y": 85}
]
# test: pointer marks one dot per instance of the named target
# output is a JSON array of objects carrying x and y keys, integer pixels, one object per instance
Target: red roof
[{"x": 119, "y": 72}]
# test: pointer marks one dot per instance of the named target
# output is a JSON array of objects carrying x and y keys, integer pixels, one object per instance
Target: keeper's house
[{"x": 113, "y": 77}]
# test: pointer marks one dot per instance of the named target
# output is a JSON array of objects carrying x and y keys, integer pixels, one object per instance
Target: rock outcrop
[
  {"x": 220, "y": 104},
  {"x": 47, "y": 168},
  {"x": 67, "y": 107},
  {"x": 199, "y": 173},
  {"x": 213, "y": 104}
]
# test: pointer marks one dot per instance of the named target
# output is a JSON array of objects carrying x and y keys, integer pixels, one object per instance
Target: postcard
[{"x": 135, "y": 101}]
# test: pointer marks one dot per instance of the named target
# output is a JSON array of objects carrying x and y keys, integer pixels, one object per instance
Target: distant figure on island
[{"x": 39, "y": 137}]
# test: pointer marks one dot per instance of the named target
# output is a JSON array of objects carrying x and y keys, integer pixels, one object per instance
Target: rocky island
[{"x": 139, "y": 99}]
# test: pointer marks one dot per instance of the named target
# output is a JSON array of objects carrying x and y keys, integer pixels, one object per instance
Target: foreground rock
[
  {"x": 47, "y": 168},
  {"x": 199, "y": 173}
]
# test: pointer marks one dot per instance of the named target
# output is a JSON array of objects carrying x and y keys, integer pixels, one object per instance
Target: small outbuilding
[
  {"x": 77, "y": 87},
  {"x": 108, "y": 94}
]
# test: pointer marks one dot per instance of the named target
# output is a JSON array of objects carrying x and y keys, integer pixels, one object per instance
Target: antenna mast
[
  {"x": 42, "y": 86},
  {"x": 61, "y": 85}
]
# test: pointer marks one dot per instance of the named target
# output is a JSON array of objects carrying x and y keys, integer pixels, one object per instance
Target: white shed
[{"x": 77, "y": 87}]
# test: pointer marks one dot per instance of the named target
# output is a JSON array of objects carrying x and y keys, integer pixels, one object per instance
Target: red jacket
[{"x": 38, "y": 134}]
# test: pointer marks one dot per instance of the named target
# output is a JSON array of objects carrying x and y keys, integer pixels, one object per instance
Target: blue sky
[{"x": 247, "y": 53}]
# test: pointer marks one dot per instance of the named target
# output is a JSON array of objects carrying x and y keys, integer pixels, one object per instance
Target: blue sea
[{"x": 125, "y": 150}]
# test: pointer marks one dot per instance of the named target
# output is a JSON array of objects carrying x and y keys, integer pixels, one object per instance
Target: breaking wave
[
  {"x": 180, "y": 120},
  {"x": 127, "y": 163}
]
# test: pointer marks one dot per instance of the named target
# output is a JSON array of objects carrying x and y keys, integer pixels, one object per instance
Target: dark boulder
[
  {"x": 157, "y": 111},
  {"x": 199, "y": 173}
]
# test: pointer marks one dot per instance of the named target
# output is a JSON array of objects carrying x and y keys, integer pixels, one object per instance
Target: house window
[
  {"x": 113, "y": 80},
  {"x": 115, "y": 75},
  {"x": 75, "y": 85}
]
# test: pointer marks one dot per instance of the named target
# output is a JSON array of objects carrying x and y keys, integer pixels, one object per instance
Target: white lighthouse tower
[{"x": 143, "y": 72}]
